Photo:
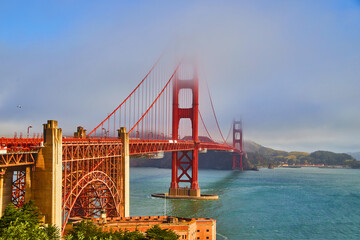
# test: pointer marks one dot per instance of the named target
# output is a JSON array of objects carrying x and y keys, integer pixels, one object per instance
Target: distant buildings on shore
[{"x": 285, "y": 165}]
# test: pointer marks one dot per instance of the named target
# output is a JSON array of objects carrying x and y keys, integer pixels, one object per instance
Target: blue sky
[{"x": 290, "y": 69}]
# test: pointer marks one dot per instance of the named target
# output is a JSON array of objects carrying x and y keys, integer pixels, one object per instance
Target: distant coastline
[
  {"x": 258, "y": 156},
  {"x": 318, "y": 166}
]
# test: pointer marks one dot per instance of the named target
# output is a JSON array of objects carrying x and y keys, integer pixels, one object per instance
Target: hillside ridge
[{"x": 257, "y": 156}]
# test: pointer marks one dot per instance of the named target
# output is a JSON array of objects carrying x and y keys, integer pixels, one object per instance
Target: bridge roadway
[{"x": 23, "y": 151}]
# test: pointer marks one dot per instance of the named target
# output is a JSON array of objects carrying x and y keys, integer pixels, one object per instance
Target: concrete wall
[
  {"x": 5, "y": 188},
  {"x": 125, "y": 173},
  {"x": 205, "y": 228}
]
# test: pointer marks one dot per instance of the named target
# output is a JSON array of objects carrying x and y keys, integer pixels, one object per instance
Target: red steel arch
[
  {"x": 92, "y": 178},
  {"x": 78, "y": 190}
]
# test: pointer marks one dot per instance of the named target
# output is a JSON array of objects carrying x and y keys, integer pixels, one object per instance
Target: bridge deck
[{"x": 22, "y": 151}]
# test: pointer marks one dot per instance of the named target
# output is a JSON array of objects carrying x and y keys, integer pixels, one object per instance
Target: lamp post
[
  {"x": 28, "y": 131},
  {"x": 103, "y": 130}
]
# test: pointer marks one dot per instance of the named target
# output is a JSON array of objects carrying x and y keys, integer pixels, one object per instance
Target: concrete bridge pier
[
  {"x": 6, "y": 176},
  {"x": 28, "y": 181},
  {"x": 46, "y": 180},
  {"x": 125, "y": 172}
]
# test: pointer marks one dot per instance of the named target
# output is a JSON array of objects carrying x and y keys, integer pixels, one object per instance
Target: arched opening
[
  {"x": 93, "y": 192},
  {"x": 93, "y": 199}
]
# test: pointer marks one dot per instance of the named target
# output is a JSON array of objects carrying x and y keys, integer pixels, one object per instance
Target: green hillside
[{"x": 263, "y": 156}]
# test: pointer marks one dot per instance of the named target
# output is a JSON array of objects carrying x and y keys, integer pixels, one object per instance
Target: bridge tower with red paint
[
  {"x": 185, "y": 163},
  {"x": 238, "y": 144}
]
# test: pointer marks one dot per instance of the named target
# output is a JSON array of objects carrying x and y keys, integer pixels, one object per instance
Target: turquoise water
[{"x": 282, "y": 203}]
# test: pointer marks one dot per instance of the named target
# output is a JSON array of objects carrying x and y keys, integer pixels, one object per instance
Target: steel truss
[
  {"x": 92, "y": 179},
  {"x": 13, "y": 159},
  {"x": 18, "y": 188},
  {"x": 185, "y": 163}
]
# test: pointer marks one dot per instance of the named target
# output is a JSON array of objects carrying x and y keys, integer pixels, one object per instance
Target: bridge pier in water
[{"x": 185, "y": 163}]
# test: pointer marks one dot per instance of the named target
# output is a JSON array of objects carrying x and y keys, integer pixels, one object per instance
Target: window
[
  {"x": 207, "y": 230},
  {"x": 207, "y": 237},
  {"x": 198, "y": 230}
]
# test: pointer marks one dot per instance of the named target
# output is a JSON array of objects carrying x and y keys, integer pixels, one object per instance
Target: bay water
[{"x": 280, "y": 203}]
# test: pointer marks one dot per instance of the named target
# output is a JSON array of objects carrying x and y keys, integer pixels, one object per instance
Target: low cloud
[{"x": 289, "y": 69}]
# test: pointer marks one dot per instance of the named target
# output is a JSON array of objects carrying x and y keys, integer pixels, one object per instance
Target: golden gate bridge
[{"x": 82, "y": 175}]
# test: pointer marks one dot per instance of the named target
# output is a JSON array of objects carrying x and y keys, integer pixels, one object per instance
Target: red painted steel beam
[{"x": 18, "y": 159}]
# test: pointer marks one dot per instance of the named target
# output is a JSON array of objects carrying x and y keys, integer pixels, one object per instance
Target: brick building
[{"x": 186, "y": 228}]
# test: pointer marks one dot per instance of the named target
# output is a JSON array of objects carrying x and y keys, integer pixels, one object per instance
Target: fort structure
[{"x": 186, "y": 228}]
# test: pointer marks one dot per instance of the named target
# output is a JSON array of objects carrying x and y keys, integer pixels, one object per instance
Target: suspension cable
[
  {"x": 153, "y": 67},
  {"x": 202, "y": 120},
  {"x": 171, "y": 78},
  {"x": 212, "y": 106},
  {"x": 227, "y": 138}
]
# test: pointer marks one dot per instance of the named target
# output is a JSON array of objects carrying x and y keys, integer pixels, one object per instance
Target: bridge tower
[
  {"x": 185, "y": 161},
  {"x": 238, "y": 143}
]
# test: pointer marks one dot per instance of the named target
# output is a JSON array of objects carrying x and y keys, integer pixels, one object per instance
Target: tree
[
  {"x": 24, "y": 223},
  {"x": 11, "y": 214},
  {"x": 52, "y": 231},
  {"x": 86, "y": 230},
  {"x": 156, "y": 233},
  {"x": 24, "y": 230},
  {"x": 27, "y": 213}
]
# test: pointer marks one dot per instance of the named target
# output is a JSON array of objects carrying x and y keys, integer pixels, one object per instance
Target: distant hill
[
  {"x": 355, "y": 155},
  {"x": 258, "y": 156},
  {"x": 270, "y": 156},
  {"x": 250, "y": 146}
]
